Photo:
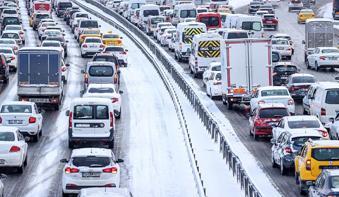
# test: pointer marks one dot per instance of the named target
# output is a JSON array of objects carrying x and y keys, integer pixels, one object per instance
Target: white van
[
  {"x": 131, "y": 6},
  {"x": 91, "y": 120},
  {"x": 146, "y": 11},
  {"x": 322, "y": 100},
  {"x": 183, "y": 11},
  {"x": 205, "y": 49},
  {"x": 252, "y": 24},
  {"x": 184, "y": 37},
  {"x": 231, "y": 20}
]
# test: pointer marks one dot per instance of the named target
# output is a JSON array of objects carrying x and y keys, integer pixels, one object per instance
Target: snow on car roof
[
  {"x": 8, "y": 129},
  {"x": 334, "y": 143},
  {"x": 18, "y": 103},
  {"x": 91, "y": 152},
  {"x": 302, "y": 75},
  {"x": 81, "y": 101},
  {"x": 272, "y": 88},
  {"x": 305, "y": 132},
  {"x": 106, "y": 192}
]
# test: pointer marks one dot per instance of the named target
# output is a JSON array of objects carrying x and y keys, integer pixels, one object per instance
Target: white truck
[
  {"x": 205, "y": 49},
  {"x": 245, "y": 65},
  {"x": 184, "y": 37}
]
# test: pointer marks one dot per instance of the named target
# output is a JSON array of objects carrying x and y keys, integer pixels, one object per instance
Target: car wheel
[
  {"x": 25, "y": 162},
  {"x": 36, "y": 137},
  {"x": 316, "y": 66},
  {"x": 118, "y": 114},
  {"x": 283, "y": 170},
  {"x": 20, "y": 169},
  {"x": 57, "y": 107},
  {"x": 307, "y": 65},
  {"x": 70, "y": 144},
  {"x": 296, "y": 177},
  {"x": 40, "y": 133},
  {"x": 111, "y": 144},
  {"x": 305, "y": 112},
  {"x": 64, "y": 194},
  {"x": 274, "y": 165},
  {"x": 301, "y": 187}
]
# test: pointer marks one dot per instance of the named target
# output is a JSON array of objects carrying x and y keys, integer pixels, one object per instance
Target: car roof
[
  {"x": 91, "y": 152},
  {"x": 305, "y": 132},
  {"x": 8, "y": 129},
  {"x": 17, "y": 103},
  {"x": 94, "y": 101},
  {"x": 328, "y": 85},
  {"x": 322, "y": 143},
  {"x": 104, "y": 63},
  {"x": 272, "y": 88},
  {"x": 271, "y": 105}
]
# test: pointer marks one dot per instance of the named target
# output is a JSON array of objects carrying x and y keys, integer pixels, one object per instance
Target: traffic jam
[{"x": 240, "y": 60}]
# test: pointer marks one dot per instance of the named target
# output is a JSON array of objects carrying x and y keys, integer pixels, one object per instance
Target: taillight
[
  {"x": 290, "y": 102},
  {"x": 217, "y": 83},
  {"x": 115, "y": 100},
  {"x": 63, "y": 69},
  {"x": 261, "y": 102},
  {"x": 102, "y": 46},
  {"x": 69, "y": 170},
  {"x": 14, "y": 149},
  {"x": 112, "y": 170},
  {"x": 111, "y": 118},
  {"x": 287, "y": 150},
  {"x": 32, "y": 120},
  {"x": 13, "y": 58},
  {"x": 322, "y": 57},
  {"x": 21, "y": 32},
  {"x": 323, "y": 133},
  {"x": 123, "y": 53},
  {"x": 0, "y": 120},
  {"x": 86, "y": 78},
  {"x": 258, "y": 123},
  {"x": 308, "y": 165},
  {"x": 84, "y": 46},
  {"x": 70, "y": 120},
  {"x": 15, "y": 48},
  {"x": 323, "y": 112},
  {"x": 292, "y": 88}
]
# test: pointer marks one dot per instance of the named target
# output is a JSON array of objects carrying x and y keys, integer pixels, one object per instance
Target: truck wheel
[
  {"x": 57, "y": 107},
  {"x": 6, "y": 80},
  {"x": 274, "y": 165},
  {"x": 224, "y": 100}
]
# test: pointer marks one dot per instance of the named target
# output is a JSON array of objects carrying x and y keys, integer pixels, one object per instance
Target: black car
[
  {"x": 327, "y": 184},
  {"x": 4, "y": 69},
  {"x": 281, "y": 72}
]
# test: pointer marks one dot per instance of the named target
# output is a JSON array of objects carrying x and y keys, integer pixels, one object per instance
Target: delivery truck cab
[
  {"x": 184, "y": 37},
  {"x": 205, "y": 50}
]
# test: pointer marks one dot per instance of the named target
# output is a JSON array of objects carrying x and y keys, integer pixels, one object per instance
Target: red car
[
  {"x": 270, "y": 22},
  {"x": 264, "y": 116}
]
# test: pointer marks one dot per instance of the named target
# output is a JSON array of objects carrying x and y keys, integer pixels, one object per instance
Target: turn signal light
[{"x": 308, "y": 165}]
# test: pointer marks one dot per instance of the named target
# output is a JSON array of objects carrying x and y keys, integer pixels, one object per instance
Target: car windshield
[
  {"x": 51, "y": 44},
  {"x": 251, "y": 25},
  {"x": 89, "y": 24},
  {"x": 269, "y": 17},
  {"x": 64, "y": 5},
  {"x": 7, "y": 136},
  {"x": 151, "y": 13},
  {"x": 52, "y": 33},
  {"x": 101, "y": 71},
  {"x": 13, "y": 28},
  {"x": 216, "y": 68},
  {"x": 114, "y": 49},
  {"x": 111, "y": 36},
  {"x": 82, "y": 15},
  {"x": 91, "y": 112},
  {"x": 9, "y": 12},
  {"x": 273, "y": 112},
  {"x": 282, "y": 68},
  {"x": 210, "y": 21},
  {"x": 298, "y": 142},
  {"x": 330, "y": 51},
  {"x": 334, "y": 180},
  {"x": 280, "y": 42},
  {"x": 91, "y": 161},
  {"x": 10, "y": 35},
  {"x": 101, "y": 90},
  {"x": 92, "y": 40},
  {"x": 278, "y": 92},
  {"x": 303, "y": 79},
  {"x": 16, "y": 109},
  {"x": 91, "y": 32},
  {"x": 300, "y": 124},
  {"x": 11, "y": 20},
  {"x": 188, "y": 13},
  {"x": 6, "y": 51},
  {"x": 325, "y": 154},
  {"x": 332, "y": 96},
  {"x": 60, "y": 39}
]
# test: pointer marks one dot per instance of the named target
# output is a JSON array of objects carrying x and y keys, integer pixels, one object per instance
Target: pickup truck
[{"x": 40, "y": 76}]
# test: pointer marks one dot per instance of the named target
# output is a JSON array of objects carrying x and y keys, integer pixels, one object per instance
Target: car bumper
[
  {"x": 90, "y": 139},
  {"x": 217, "y": 90},
  {"x": 12, "y": 159},
  {"x": 74, "y": 185},
  {"x": 328, "y": 63},
  {"x": 266, "y": 131},
  {"x": 288, "y": 161},
  {"x": 285, "y": 53},
  {"x": 91, "y": 50},
  {"x": 26, "y": 130}
]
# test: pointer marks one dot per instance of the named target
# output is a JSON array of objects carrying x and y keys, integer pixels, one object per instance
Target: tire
[
  {"x": 70, "y": 144},
  {"x": 316, "y": 67},
  {"x": 20, "y": 169},
  {"x": 64, "y": 194},
  {"x": 6, "y": 81},
  {"x": 40, "y": 133},
  {"x": 307, "y": 65},
  {"x": 25, "y": 162},
  {"x": 274, "y": 165},
  {"x": 57, "y": 107},
  {"x": 229, "y": 105},
  {"x": 283, "y": 170},
  {"x": 118, "y": 116},
  {"x": 305, "y": 112},
  {"x": 82, "y": 55},
  {"x": 301, "y": 185},
  {"x": 111, "y": 144},
  {"x": 36, "y": 137},
  {"x": 296, "y": 177}
]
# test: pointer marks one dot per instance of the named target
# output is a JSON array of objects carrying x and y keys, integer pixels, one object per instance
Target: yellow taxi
[
  {"x": 89, "y": 33},
  {"x": 110, "y": 38},
  {"x": 312, "y": 159},
  {"x": 305, "y": 14}
]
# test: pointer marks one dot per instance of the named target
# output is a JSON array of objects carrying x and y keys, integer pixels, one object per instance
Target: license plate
[
  {"x": 333, "y": 58},
  {"x": 39, "y": 100},
  {"x": 83, "y": 125},
  {"x": 92, "y": 47},
  {"x": 280, "y": 48},
  {"x": 90, "y": 174},
  {"x": 15, "y": 121},
  {"x": 2, "y": 161},
  {"x": 283, "y": 77}
]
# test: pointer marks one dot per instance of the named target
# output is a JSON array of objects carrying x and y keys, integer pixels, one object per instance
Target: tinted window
[
  {"x": 98, "y": 71},
  {"x": 188, "y": 13},
  {"x": 91, "y": 161},
  {"x": 216, "y": 68},
  {"x": 283, "y": 68},
  {"x": 10, "y": 35},
  {"x": 273, "y": 113},
  {"x": 9, "y": 11},
  {"x": 92, "y": 40},
  {"x": 280, "y": 42},
  {"x": 325, "y": 154},
  {"x": 89, "y": 24},
  {"x": 303, "y": 79},
  {"x": 11, "y": 21},
  {"x": 13, "y": 28},
  {"x": 235, "y": 35},
  {"x": 332, "y": 96},
  {"x": 303, "y": 124},
  {"x": 7, "y": 136},
  {"x": 101, "y": 112},
  {"x": 151, "y": 13},
  {"x": 51, "y": 44},
  {"x": 334, "y": 180},
  {"x": 210, "y": 21},
  {"x": 6, "y": 51},
  {"x": 83, "y": 112},
  {"x": 251, "y": 25},
  {"x": 16, "y": 109},
  {"x": 101, "y": 90},
  {"x": 64, "y": 5},
  {"x": 280, "y": 92},
  {"x": 114, "y": 49},
  {"x": 41, "y": 16}
]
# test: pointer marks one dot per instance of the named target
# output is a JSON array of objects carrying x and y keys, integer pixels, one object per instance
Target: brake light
[
  {"x": 287, "y": 150},
  {"x": 217, "y": 83},
  {"x": 14, "y": 149},
  {"x": 13, "y": 58},
  {"x": 258, "y": 123},
  {"x": 111, "y": 118},
  {"x": 292, "y": 88},
  {"x": 123, "y": 53},
  {"x": 32, "y": 120},
  {"x": 69, "y": 170},
  {"x": 322, "y": 57},
  {"x": 261, "y": 102},
  {"x": 323, "y": 133},
  {"x": 70, "y": 120},
  {"x": 290, "y": 102},
  {"x": 84, "y": 46},
  {"x": 112, "y": 170},
  {"x": 0, "y": 120},
  {"x": 115, "y": 100},
  {"x": 86, "y": 78},
  {"x": 63, "y": 69},
  {"x": 323, "y": 112},
  {"x": 308, "y": 165},
  {"x": 21, "y": 32}
]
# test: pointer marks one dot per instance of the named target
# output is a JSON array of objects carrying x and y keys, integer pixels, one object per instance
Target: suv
[
  {"x": 327, "y": 184},
  {"x": 314, "y": 157},
  {"x": 281, "y": 72},
  {"x": 4, "y": 69}
]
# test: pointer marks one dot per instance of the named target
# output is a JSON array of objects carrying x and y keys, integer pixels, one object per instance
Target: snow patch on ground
[
  {"x": 326, "y": 11},
  {"x": 239, "y": 3}
]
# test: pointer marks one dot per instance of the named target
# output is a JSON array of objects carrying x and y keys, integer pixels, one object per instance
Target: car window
[
  {"x": 98, "y": 71},
  {"x": 303, "y": 79},
  {"x": 114, "y": 49},
  {"x": 299, "y": 124},
  {"x": 188, "y": 13},
  {"x": 101, "y": 90},
  {"x": 236, "y": 35},
  {"x": 7, "y": 136},
  {"x": 277, "y": 92},
  {"x": 83, "y": 112},
  {"x": 216, "y": 68},
  {"x": 111, "y": 36},
  {"x": 89, "y": 24},
  {"x": 92, "y": 40},
  {"x": 91, "y": 161},
  {"x": 273, "y": 112},
  {"x": 298, "y": 142},
  {"x": 332, "y": 96},
  {"x": 279, "y": 42},
  {"x": 334, "y": 180},
  {"x": 16, "y": 109},
  {"x": 51, "y": 44},
  {"x": 10, "y": 35},
  {"x": 6, "y": 51},
  {"x": 102, "y": 112},
  {"x": 325, "y": 154},
  {"x": 330, "y": 51}
]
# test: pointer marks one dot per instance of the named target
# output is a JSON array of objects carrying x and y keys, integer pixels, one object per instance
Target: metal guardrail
[{"x": 211, "y": 125}]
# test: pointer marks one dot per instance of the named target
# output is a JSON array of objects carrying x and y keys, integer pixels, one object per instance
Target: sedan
[
  {"x": 42, "y": 27},
  {"x": 105, "y": 91},
  {"x": 166, "y": 36},
  {"x": 53, "y": 44},
  {"x": 17, "y": 28},
  {"x": 91, "y": 46},
  {"x": 282, "y": 46},
  {"x": 90, "y": 167},
  {"x": 323, "y": 57},
  {"x": 214, "y": 84},
  {"x": 12, "y": 35},
  {"x": 10, "y": 57},
  {"x": 23, "y": 115},
  {"x": 13, "y": 148},
  {"x": 120, "y": 52},
  {"x": 9, "y": 43}
]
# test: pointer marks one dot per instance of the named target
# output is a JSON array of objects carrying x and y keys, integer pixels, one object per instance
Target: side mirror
[
  {"x": 119, "y": 161},
  {"x": 67, "y": 113},
  {"x": 273, "y": 141},
  {"x": 121, "y": 92},
  {"x": 331, "y": 120},
  {"x": 63, "y": 160},
  {"x": 82, "y": 72},
  {"x": 126, "y": 50},
  {"x": 67, "y": 65}
]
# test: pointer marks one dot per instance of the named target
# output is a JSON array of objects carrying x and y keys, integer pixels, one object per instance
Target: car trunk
[{"x": 14, "y": 119}]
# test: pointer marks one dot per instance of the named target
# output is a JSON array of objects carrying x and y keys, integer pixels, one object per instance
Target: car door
[
  {"x": 209, "y": 82},
  {"x": 277, "y": 146},
  {"x": 315, "y": 190},
  {"x": 22, "y": 143},
  {"x": 37, "y": 112},
  {"x": 278, "y": 129}
]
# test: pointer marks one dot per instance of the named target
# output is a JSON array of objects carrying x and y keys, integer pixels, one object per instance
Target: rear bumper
[
  {"x": 12, "y": 159},
  {"x": 288, "y": 161},
  {"x": 110, "y": 138},
  {"x": 266, "y": 131}
]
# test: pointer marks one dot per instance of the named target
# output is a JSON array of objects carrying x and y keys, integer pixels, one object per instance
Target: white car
[
  {"x": 161, "y": 31},
  {"x": 10, "y": 57},
  {"x": 90, "y": 167},
  {"x": 214, "y": 84},
  {"x": 9, "y": 43},
  {"x": 323, "y": 57},
  {"x": 120, "y": 52},
  {"x": 135, "y": 18},
  {"x": 282, "y": 46},
  {"x": 166, "y": 36},
  {"x": 284, "y": 36},
  {"x": 333, "y": 126},
  {"x": 53, "y": 44},
  {"x": 24, "y": 115},
  {"x": 50, "y": 32},
  {"x": 112, "y": 192},
  {"x": 42, "y": 27},
  {"x": 12, "y": 35},
  {"x": 91, "y": 46},
  {"x": 212, "y": 67},
  {"x": 171, "y": 43},
  {"x": 105, "y": 91},
  {"x": 17, "y": 28},
  {"x": 273, "y": 94},
  {"x": 2, "y": 186},
  {"x": 299, "y": 123},
  {"x": 13, "y": 148},
  {"x": 159, "y": 25},
  {"x": 75, "y": 23},
  {"x": 9, "y": 12}
]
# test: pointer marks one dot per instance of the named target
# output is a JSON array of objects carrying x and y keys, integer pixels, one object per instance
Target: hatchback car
[{"x": 120, "y": 52}]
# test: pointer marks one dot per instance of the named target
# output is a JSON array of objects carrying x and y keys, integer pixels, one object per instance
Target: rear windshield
[
  {"x": 101, "y": 71},
  {"x": 6, "y": 51},
  {"x": 188, "y": 13},
  {"x": 216, "y": 68},
  {"x": 51, "y": 44},
  {"x": 89, "y": 24},
  {"x": 269, "y": 17},
  {"x": 157, "y": 20},
  {"x": 332, "y": 96},
  {"x": 11, "y": 21},
  {"x": 298, "y": 142},
  {"x": 64, "y": 5},
  {"x": 16, "y": 109},
  {"x": 210, "y": 21},
  {"x": 91, "y": 161},
  {"x": 303, "y": 124},
  {"x": 303, "y": 79},
  {"x": 41, "y": 16},
  {"x": 283, "y": 68},
  {"x": 325, "y": 154},
  {"x": 13, "y": 28},
  {"x": 280, "y": 42},
  {"x": 251, "y": 25},
  {"x": 92, "y": 40},
  {"x": 7, "y": 136},
  {"x": 114, "y": 49},
  {"x": 151, "y": 13},
  {"x": 235, "y": 35},
  {"x": 9, "y": 11},
  {"x": 91, "y": 112},
  {"x": 280, "y": 92},
  {"x": 111, "y": 36},
  {"x": 330, "y": 51},
  {"x": 273, "y": 113},
  {"x": 10, "y": 35},
  {"x": 334, "y": 182},
  {"x": 2, "y": 41},
  {"x": 104, "y": 58},
  {"x": 101, "y": 90}
]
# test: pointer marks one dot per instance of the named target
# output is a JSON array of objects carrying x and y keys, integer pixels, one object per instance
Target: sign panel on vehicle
[
  {"x": 209, "y": 49},
  {"x": 39, "y": 100},
  {"x": 2, "y": 161}
]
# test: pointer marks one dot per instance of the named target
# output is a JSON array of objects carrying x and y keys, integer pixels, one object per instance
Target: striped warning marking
[
  {"x": 209, "y": 49},
  {"x": 189, "y": 33}
]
